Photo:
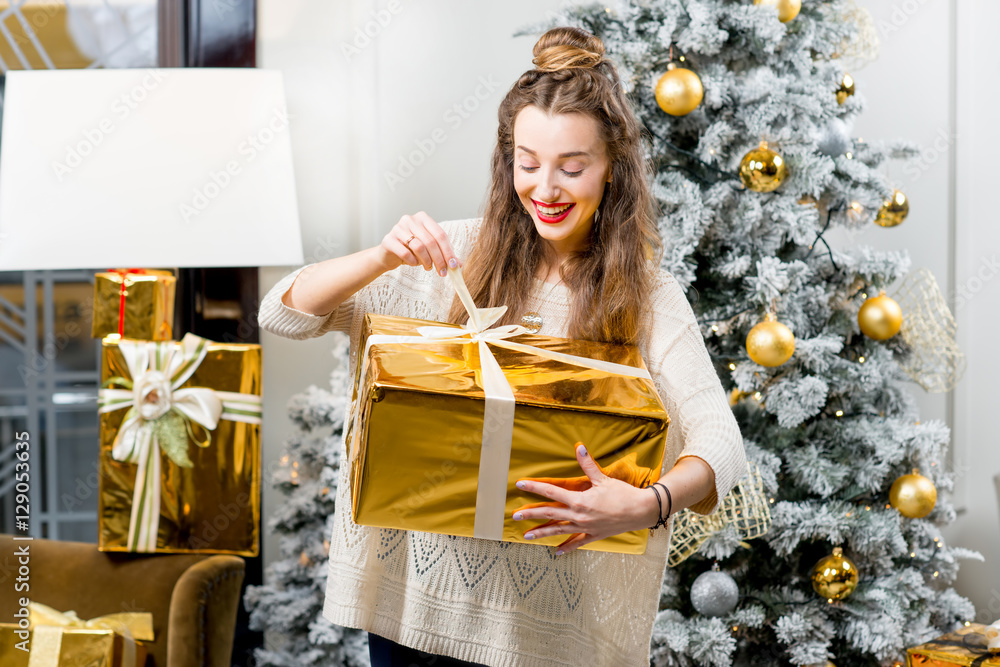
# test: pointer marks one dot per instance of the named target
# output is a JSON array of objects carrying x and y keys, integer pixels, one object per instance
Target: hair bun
[{"x": 566, "y": 47}]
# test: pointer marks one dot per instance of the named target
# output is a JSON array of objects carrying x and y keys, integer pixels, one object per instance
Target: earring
[{"x": 597, "y": 214}]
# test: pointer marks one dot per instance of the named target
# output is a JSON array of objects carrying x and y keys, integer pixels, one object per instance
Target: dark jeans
[{"x": 387, "y": 653}]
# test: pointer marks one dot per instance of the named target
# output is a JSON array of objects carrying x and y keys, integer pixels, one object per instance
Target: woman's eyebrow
[{"x": 570, "y": 154}]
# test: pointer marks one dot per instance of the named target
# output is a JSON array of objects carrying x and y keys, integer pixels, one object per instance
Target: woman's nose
[{"x": 547, "y": 188}]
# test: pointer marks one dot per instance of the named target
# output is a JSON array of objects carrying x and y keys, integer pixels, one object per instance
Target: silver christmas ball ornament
[
  {"x": 714, "y": 593},
  {"x": 834, "y": 138}
]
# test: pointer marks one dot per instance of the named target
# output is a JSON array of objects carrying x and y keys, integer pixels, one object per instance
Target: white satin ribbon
[
  {"x": 166, "y": 366},
  {"x": 498, "y": 417}
]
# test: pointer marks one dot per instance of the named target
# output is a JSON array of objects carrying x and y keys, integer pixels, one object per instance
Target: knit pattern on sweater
[{"x": 501, "y": 603}]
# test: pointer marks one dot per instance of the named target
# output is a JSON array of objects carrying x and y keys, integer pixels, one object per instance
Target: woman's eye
[{"x": 568, "y": 173}]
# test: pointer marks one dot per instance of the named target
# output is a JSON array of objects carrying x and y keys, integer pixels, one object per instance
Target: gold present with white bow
[
  {"x": 62, "y": 639},
  {"x": 180, "y": 447},
  {"x": 446, "y": 419}
]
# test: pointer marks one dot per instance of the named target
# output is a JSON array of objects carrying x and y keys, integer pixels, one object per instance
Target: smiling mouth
[{"x": 552, "y": 213}]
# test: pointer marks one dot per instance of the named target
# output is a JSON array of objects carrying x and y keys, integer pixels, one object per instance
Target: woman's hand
[
  {"x": 418, "y": 240},
  {"x": 322, "y": 287},
  {"x": 589, "y": 509}
]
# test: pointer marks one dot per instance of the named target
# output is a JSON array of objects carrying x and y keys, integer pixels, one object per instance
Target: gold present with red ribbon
[
  {"x": 966, "y": 646},
  {"x": 134, "y": 303},
  {"x": 446, "y": 419},
  {"x": 61, "y": 639},
  {"x": 180, "y": 447}
]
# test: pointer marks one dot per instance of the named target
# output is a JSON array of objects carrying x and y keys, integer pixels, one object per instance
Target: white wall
[
  {"x": 977, "y": 250},
  {"x": 357, "y": 115}
]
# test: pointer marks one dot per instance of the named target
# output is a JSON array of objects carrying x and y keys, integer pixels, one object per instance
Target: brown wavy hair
[{"x": 611, "y": 277}]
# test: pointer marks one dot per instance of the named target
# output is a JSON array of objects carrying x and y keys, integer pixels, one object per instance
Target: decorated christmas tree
[
  {"x": 748, "y": 107},
  {"x": 854, "y": 568}
]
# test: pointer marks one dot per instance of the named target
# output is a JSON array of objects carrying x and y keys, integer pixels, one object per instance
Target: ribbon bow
[
  {"x": 498, "y": 420},
  {"x": 162, "y": 415},
  {"x": 48, "y": 625}
]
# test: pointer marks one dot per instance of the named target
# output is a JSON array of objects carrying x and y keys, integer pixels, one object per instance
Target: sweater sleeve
[
  {"x": 283, "y": 320},
  {"x": 694, "y": 397}
]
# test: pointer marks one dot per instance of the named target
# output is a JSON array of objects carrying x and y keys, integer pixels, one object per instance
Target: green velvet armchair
[{"x": 193, "y": 597}]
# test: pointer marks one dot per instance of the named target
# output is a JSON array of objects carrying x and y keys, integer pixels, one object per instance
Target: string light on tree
[
  {"x": 735, "y": 396},
  {"x": 770, "y": 343},
  {"x": 679, "y": 91},
  {"x": 880, "y": 317},
  {"x": 846, "y": 88},
  {"x": 855, "y": 212},
  {"x": 894, "y": 210},
  {"x": 835, "y": 576},
  {"x": 762, "y": 169},
  {"x": 913, "y": 495},
  {"x": 787, "y": 9}
]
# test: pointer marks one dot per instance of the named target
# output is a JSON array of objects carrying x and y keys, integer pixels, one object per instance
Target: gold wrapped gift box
[
  {"x": 416, "y": 443},
  {"x": 966, "y": 646},
  {"x": 144, "y": 297},
  {"x": 54, "y": 639},
  {"x": 78, "y": 647},
  {"x": 212, "y": 505}
]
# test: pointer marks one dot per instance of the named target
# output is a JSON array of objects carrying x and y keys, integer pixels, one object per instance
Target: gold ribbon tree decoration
[
  {"x": 746, "y": 508},
  {"x": 935, "y": 361}
]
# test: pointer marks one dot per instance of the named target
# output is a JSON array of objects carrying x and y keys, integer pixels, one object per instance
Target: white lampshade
[{"x": 146, "y": 168}]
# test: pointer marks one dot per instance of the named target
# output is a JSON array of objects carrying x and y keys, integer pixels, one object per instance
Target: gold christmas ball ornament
[
  {"x": 762, "y": 170},
  {"x": 770, "y": 343},
  {"x": 880, "y": 317},
  {"x": 846, "y": 88},
  {"x": 894, "y": 210},
  {"x": 679, "y": 91},
  {"x": 913, "y": 495},
  {"x": 787, "y": 9},
  {"x": 835, "y": 577}
]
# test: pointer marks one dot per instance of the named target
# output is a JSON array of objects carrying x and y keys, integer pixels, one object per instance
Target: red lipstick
[{"x": 553, "y": 219}]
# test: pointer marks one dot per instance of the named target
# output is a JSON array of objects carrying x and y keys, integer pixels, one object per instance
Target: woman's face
[{"x": 560, "y": 168}]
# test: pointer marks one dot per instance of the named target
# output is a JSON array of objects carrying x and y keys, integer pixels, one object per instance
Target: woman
[{"x": 568, "y": 242}]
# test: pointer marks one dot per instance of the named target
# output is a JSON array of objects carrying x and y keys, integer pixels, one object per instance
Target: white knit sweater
[{"x": 501, "y": 603}]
